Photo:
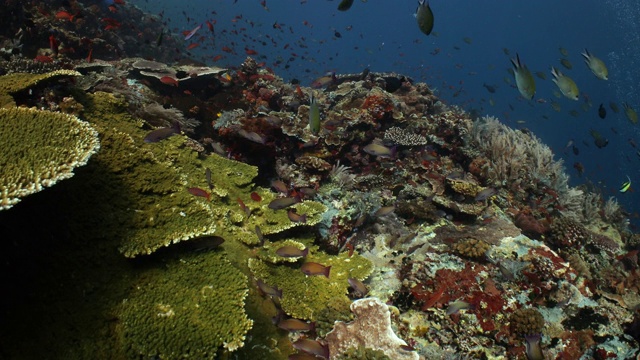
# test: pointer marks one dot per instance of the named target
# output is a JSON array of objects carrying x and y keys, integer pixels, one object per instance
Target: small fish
[
  {"x": 490, "y": 88},
  {"x": 252, "y": 136},
  {"x": 314, "y": 115},
  {"x": 541, "y": 75},
  {"x": 456, "y": 306},
  {"x": 597, "y": 66},
  {"x": 169, "y": 80},
  {"x": 162, "y": 133},
  {"x": 566, "y": 63},
  {"x": 207, "y": 174},
  {"x": 579, "y": 168},
  {"x": 313, "y": 268},
  {"x": 324, "y": 81},
  {"x": 296, "y": 325},
  {"x": 290, "y": 251},
  {"x": 345, "y": 5},
  {"x": 613, "y": 106},
  {"x": 204, "y": 243},
  {"x": 563, "y": 51},
  {"x": 384, "y": 210},
  {"x": 283, "y": 203},
  {"x": 424, "y": 16},
  {"x": 485, "y": 194},
  {"x": 566, "y": 85},
  {"x": 379, "y": 150},
  {"x": 312, "y": 347},
  {"x": 269, "y": 290},
  {"x": 524, "y": 80},
  {"x": 192, "y": 32},
  {"x": 255, "y": 197},
  {"x": 295, "y": 218},
  {"x": 280, "y": 186},
  {"x": 359, "y": 289},
  {"x": 599, "y": 140},
  {"x": 534, "y": 350},
  {"x": 602, "y": 112},
  {"x": 64, "y": 15},
  {"x": 196, "y": 191},
  {"x": 259, "y": 234},
  {"x": 625, "y": 185},
  {"x": 631, "y": 114}
]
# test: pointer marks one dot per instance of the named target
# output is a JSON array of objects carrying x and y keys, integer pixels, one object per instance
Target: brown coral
[
  {"x": 568, "y": 233},
  {"x": 471, "y": 248},
  {"x": 526, "y": 322},
  {"x": 530, "y": 226}
]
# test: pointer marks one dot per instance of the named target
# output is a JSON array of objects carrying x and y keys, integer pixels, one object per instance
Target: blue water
[{"x": 384, "y": 36}]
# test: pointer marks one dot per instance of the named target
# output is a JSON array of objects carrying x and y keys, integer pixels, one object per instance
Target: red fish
[
  {"x": 43, "y": 59},
  {"x": 64, "y": 15},
  {"x": 193, "y": 46},
  {"x": 312, "y": 268},
  {"x": 250, "y": 51},
  {"x": 90, "y": 57},
  {"x": 168, "y": 80},
  {"x": 255, "y": 197},
  {"x": 119, "y": 2},
  {"x": 53, "y": 44},
  {"x": 227, "y": 49},
  {"x": 196, "y": 191},
  {"x": 217, "y": 57},
  {"x": 210, "y": 25}
]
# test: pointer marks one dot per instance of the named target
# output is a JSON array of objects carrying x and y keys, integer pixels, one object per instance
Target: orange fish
[
  {"x": 250, "y": 51},
  {"x": 227, "y": 49},
  {"x": 64, "y": 15},
  {"x": 90, "y": 57},
  {"x": 193, "y": 46},
  {"x": 217, "y": 57},
  {"x": 168, "y": 80},
  {"x": 255, "y": 197},
  {"x": 312, "y": 268},
  {"x": 196, "y": 191}
]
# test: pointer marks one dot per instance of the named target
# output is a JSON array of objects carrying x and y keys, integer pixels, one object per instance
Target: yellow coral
[{"x": 40, "y": 148}]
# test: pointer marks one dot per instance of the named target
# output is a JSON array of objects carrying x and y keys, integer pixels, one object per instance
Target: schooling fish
[
  {"x": 192, "y": 32},
  {"x": 597, "y": 66},
  {"x": 290, "y": 251},
  {"x": 424, "y": 16},
  {"x": 632, "y": 115},
  {"x": 567, "y": 86},
  {"x": 312, "y": 268},
  {"x": 602, "y": 112},
  {"x": 524, "y": 80},
  {"x": 345, "y": 5},
  {"x": 162, "y": 133},
  {"x": 283, "y": 203}
]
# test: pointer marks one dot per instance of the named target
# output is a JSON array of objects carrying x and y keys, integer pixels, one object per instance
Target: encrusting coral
[{"x": 40, "y": 148}]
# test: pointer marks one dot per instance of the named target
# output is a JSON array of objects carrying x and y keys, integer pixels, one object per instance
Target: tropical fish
[
  {"x": 196, "y": 191},
  {"x": 467, "y": 40},
  {"x": 632, "y": 115},
  {"x": 613, "y": 106},
  {"x": 296, "y": 325},
  {"x": 597, "y": 66},
  {"x": 359, "y": 289},
  {"x": 563, "y": 51},
  {"x": 313, "y": 268},
  {"x": 290, "y": 251},
  {"x": 566, "y": 85},
  {"x": 204, "y": 243},
  {"x": 323, "y": 81},
  {"x": 207, "y": 175},
  {"x": 625, "y": 185},
  {"x": 283, "y": 203},
  {"x": 599, "y": 140},
  {"x": 490, "y": 88},
  {"x": 384, "y": 210},
  {"x": 602, "y": 112},
  {"x": 533, "y": 348},
  {"x": 379, "y": 150},
  {"x": 345, "y": 5},
  {"x": 314, "y": 115},
  {"x": 524, "y": 80},
  {"x": 269, "y": 290},
  {"x": 162, "y": 133},
  {"x": 192, "y": 32},
  {"x": 295, "y": 217},
  {"x": 256, "y": 197},
  {"x": 169, "y": 80},
  {"x": 456, "y": 306},
  {"x": 541, "y": 75},
  {"x": 424, "y": 16},
  {"x": 312, "y": 347},
  {"x": 579, "y": 168},
  {"x": 566, "y": 63}
]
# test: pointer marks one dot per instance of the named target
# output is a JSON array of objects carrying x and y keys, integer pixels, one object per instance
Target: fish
[
  {"x": 632, "y": 115},
  {"x": 259, "y": 234},
  {"x": 602, "y": 112},
  {"x": 456, "y": 306},
  {"x": 625, "y": 185},
  {"x": 579, "y": 168},
  {"x": 280, "y": 186},
  {"x": 524, "y": 80},
  {"x": 599, "y": 140},
  {"x": 295, "y": 217},
  {"x": 597, "y": 66},
  {"x": 324, "y": 81},
  {"x": 290, "y": 251},
  {"x": 169, "y": 80},
  {"x": 345, "y": 5},
  {"x": 256, "y": 197},
  {"x": 207, "y": 175},
  {"x": 192, "y": 32},
  {"x": 269, "y": 290},
  {"x": 312, "y": 347},
  {"x": 162, "y": 133},
  {"x": 379, "y": 150},
  {"x": 196, "y": 191},
  {"x": 64, "y": 15},
  {"x": 467, "y": 40},
  {"x": 384, "y": 210},
  {"x": 566, "y": 85},
  {"x": 613, "y": 106},
  {"x": 563, "y": 51},
  {"x": 485, "y": 194},
  {"x": 424, "y": 16},
  {"x": 314, "y": 115},
  {"x": 252, "y": 136},
  {"x": 566, "y": 63},
  {"x": 359, "y": 289},
  {"x": 490, "y": 88},
  {"x": 533, "y": 348},
  {"x": 296, "y": 325},
  {"x": 541, "y": 75},
  {"x": 283, "y": 203},
  {"x": 313, "y": 268},
  {"x": 204, "y": 243}
]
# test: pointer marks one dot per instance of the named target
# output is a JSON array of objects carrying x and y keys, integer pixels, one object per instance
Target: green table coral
[
  {"x": 188, "y": 309},
  {"x": 40, "y": 148}
]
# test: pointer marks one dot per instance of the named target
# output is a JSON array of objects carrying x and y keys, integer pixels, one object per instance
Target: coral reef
[{"x": 40, "y": 148}]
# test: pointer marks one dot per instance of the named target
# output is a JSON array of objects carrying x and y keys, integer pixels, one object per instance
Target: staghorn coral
[
  {"x": 527, "y": 321},
  {"x": 371, "y": 329},
  {"x": 189, "y": 307},
  {"x": 40, "y": 148}
]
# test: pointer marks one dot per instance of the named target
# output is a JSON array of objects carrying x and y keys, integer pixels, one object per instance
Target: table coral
[
  {"x": 186, "y": 309},
  {"x": 40, "y": 148}
]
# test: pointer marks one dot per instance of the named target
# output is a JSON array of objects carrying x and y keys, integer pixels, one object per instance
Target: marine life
[
  {"x": 312, "y": 347},
  {"x": 599, "y": 140},
  {"x": 314, "y": 115},
  {"x": 485, "y": 194},
  {"x": 296, "y": 325},
  {"x": 379, "y": 150},
  {"x": 313, "y": 268},
  {"x": 614, "y": 107},
  {"x": 295, "y": 217},
  {"x": 345, "y": 5},
  {"x": 602, "y": 112},
  {"x": 284, "y": 202},
  {"x": 207, "y": 174},
  {"x": 324, "y": 81},
  {"x": 566, "y": 85},
  {"x": 162, "y": 133},
  {"x": 456, "y": 306},
  {"x": 359, "y": 289},
  {"x": 169, "y": 80},
  {"x": 579, "y": 168},
  {"x": 563, "y": 51},
  {"x": 630, "y": 112},
  {"x": 204, "y": 243},
  {"x": 268, "y": 290},
  {"x": 533, "y": 348},
  {"x": 625, "y": 185},
  {"x": 190, "y": 34},
  {"x": 196, "y": 191},
  {"x": 597, "y": 66},
  {"x": 424, "y": 16},
  {"x": 490, "y": 88},
  {"x": 566, "y": 63},
  {"x": 524, "y": 80},
  {"x": 255, "y": 197},
  {"x": 290, "y": 251}
]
